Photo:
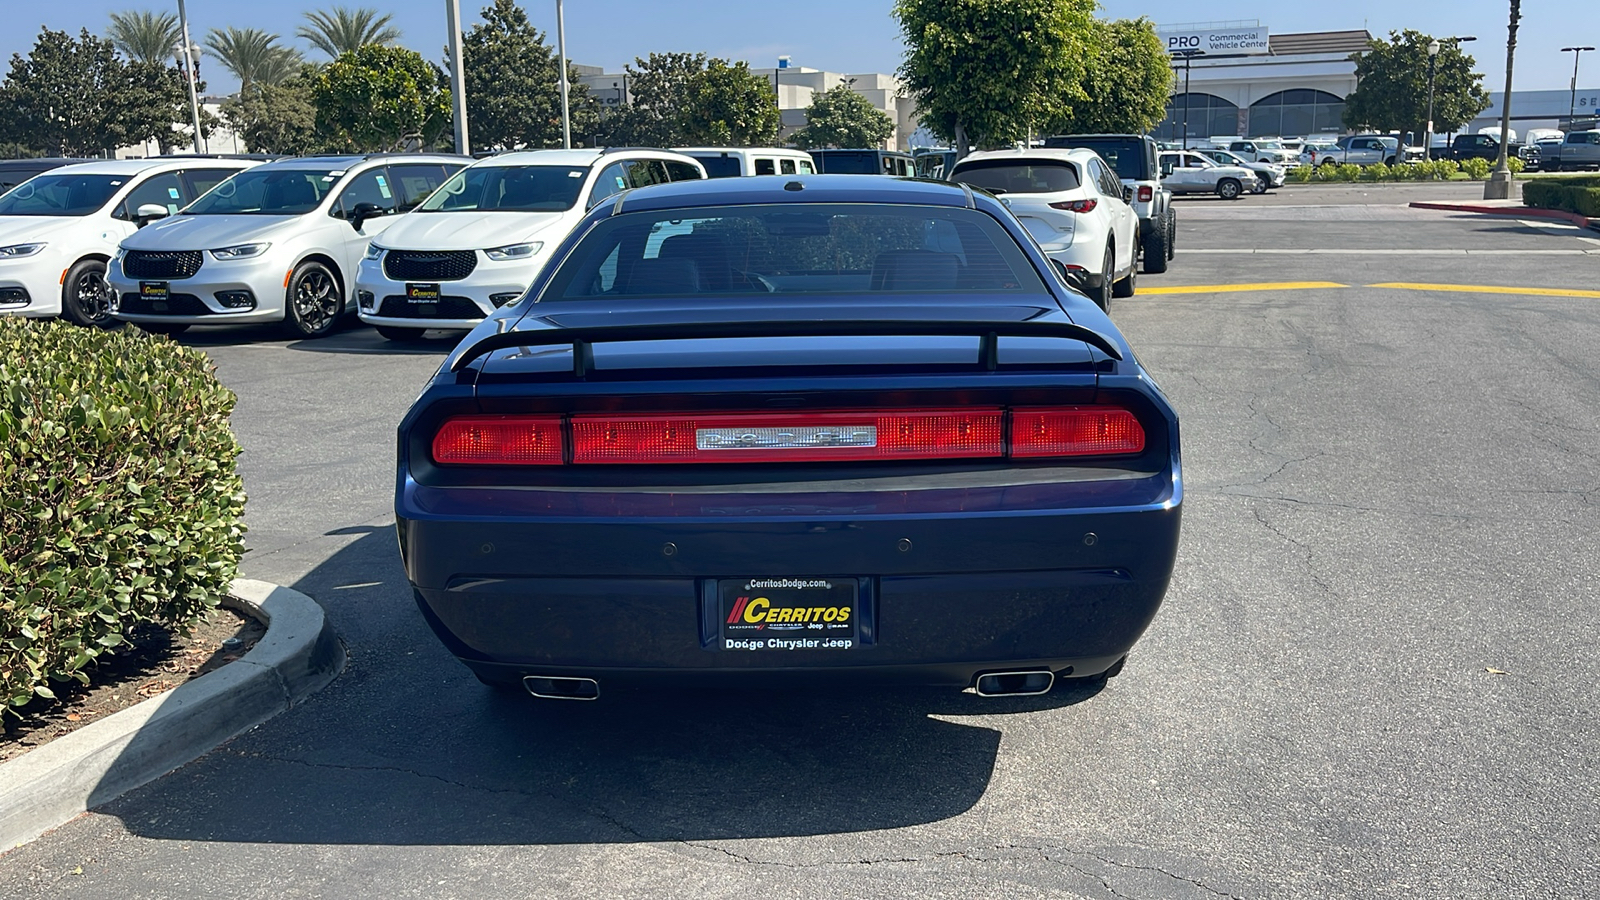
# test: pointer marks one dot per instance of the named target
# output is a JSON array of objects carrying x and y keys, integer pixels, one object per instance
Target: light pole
[
  {"x": 561, "y": 47},
  {"x": 1572, "y": 104},
  {"x": 458, "y": 75},
  {"x": 191, "y": 60},
  {"x": 1188, "y": 59},
  {"x": 1433, "y": 68},
  {"x": 1498, "y": 187}
]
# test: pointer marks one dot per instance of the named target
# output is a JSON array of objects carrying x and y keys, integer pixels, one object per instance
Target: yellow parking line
[
  {"x": 1485, "y": 289},
  {"x": 1231, "y": 288}
]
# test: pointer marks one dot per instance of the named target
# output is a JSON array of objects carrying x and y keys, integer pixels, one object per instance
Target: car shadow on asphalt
[
  {"x": 350, "y": 337},
  {"x": 406, "y": 747}
]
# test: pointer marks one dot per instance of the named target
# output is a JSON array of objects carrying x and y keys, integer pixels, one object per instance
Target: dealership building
[{"x": 1237, "y": 78}]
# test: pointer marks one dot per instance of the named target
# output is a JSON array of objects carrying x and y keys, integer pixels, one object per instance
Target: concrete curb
[
  {"x": 298, "y": 656},
  {"x": 1518, "y": 212}
]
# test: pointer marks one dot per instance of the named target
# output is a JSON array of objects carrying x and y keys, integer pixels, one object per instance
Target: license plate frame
[
  {"x": 155, "y": 291},
  {"x": 788, "y": 614},
  {"x": 423, "y": 297}
]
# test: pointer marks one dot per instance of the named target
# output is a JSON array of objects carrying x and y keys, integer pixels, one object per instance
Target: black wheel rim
[
  {"x": 93, "y": 296},
  {"x": 316, "y": 301}
]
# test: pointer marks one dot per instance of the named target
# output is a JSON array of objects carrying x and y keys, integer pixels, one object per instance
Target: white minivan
[
  {"x": 277, "y": 243},
  {"x": 480, "y": 240},
  {"x": 58, "y": 229},
  {"x": 731, "y": 162}
]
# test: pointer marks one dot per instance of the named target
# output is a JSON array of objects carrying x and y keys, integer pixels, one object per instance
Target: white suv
[
  {"x": 58, "y": 229},
  {"x": 1072, "y": 203},
  {"x": 276, "y": 243},
  {"x": 1188, "y": 172},
  {"x": 480, "y": 240}
]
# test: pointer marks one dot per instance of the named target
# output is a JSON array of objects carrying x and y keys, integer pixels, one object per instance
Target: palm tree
[
  {"x": 145, "y": 36},
  {"x": 253, "y": 56},
  {"x": 342, "y": 30}
]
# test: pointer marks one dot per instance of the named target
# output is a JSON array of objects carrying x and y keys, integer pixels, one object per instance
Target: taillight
[
  {"x": 499, "y": 441},
  {"x": 1077, "y": 206},
  {"x": 1075, "y": 431},
  {"x": 1146, "y": 193},
  {"x": 800, "y": 437}
]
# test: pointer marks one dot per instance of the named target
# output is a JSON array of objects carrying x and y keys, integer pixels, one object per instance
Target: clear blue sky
[{"x": 856, "y": 35}]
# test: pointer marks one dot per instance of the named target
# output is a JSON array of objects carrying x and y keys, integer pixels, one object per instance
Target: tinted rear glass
[
  {"x": 720, "y": 166},
  {"x": 60, "y": 195},
  {"x": 1010, "y": 176},
  {"x": 509, "y": 188},
  {"x": 848, "y": 162},
  {"x": 268, "y": 192},
  {"x": 795, "y": 249},
  {"x": 1126, "y": 157}
]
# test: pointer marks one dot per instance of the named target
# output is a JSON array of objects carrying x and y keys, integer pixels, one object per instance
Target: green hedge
[
  {"x": 1579, "y": 194},
  {"x": 119, "y": 500}
]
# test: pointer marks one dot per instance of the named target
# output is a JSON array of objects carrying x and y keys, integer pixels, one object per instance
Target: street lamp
[
  {"x": 566, "y": 113},
  {"x": 189, "y": 56},
  {"x": 1498, "y": 187},
  {"x": 1188, "y": 59},
  {"x": 1572, "y": 104},
  {"x": 1433, "y": 68},
  {"x": 458, "y": 75}
]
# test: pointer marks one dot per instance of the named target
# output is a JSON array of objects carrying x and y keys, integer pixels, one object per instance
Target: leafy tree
[
  {"x": 253, "y": 56},
  {"x": 983, "y": 71},
  {"x": 277, "y": 118},
  {"x": 154, "y": 100},
  {"x": 513, "y": 84},
  {"x": 1392, "y": 86},
  {"x": 840, "y": 117},
  {"x": 145, "y": 36},
  {"x": 77, "y": 97},
  {"x": 1126, "y": 84},
  {"x": 342, "y": 30},
  {"x": 731, "y": 106},
  {"x": 377, "y": 98},
  {"x": 659, "y": 90}
]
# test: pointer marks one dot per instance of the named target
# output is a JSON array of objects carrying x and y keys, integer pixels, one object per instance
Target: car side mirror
[
  {"x": 361, "y": 212},
  {"x": 149, "y": 212},
  {"x": 1073, "y": 278}
]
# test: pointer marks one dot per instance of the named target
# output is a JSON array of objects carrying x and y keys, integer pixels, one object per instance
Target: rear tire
[
  {"x": 1157, "y": 248},
  {"x": 314, "y": 302},
  {"x": 1126, "y": 286},
  {"x": 86, "y": 297},
  {"x": 1102, "y": 295},
  {"x": 1172, "y": 232},
  {"x": 400, "y": 333}
]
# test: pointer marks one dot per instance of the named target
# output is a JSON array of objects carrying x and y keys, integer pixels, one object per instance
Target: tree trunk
[{"x": 961, "y": 141}]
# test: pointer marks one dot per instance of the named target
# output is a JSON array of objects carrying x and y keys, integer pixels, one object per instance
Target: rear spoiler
[{"x": 582, "y": 339}]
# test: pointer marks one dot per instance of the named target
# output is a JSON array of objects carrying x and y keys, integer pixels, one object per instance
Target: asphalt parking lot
[{"x": 1373, "y": 676}]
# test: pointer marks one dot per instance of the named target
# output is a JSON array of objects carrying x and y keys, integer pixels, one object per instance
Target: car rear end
[
  {"x": 1045, "y": 191},
  {"x": 894, "y": 477}
]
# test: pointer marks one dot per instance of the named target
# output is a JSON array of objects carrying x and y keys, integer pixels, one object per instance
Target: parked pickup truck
[
  {"x": 1479, "y": 146},
  {"x": 1365, "y": 150},
  {"x": 1579, "y": 150}
]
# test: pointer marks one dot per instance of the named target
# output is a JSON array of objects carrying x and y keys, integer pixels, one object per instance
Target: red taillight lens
[
  {"x": 808, "y": 437},
  {"x": 1146, "y": 193},
  {"x": 1077, "y": 206},
  {"x": 499, "y": 441},
  {"x": 1075, "y": 431}
]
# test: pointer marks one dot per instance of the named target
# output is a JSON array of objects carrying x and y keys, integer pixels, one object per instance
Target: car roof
[
  {"x": 352, "y": 160},
  {"x": 782, "y": 151},
  {"x": 862, "y": 150},
  {"x": 1067, "y": 154},
  {"x": 129, "y": 167},
  {"x": 776, "y": 189},
  {"x": 579, "y": 157}
]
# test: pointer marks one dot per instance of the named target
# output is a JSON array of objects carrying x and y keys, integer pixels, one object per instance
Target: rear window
[
  {"x": 795, "y": 249},
  {"x": 1126, "y": 157},
  {"x": 509, "y": 188},
  {"x": 720, "y": 166},
  {"x": 1011, "y": 176}
]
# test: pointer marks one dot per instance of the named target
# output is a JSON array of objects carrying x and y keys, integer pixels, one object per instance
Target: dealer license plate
[
  {"x": 777, "y": 615},
  {"x": 155, "y": 292},
  {"x": 424, "y": 298}
]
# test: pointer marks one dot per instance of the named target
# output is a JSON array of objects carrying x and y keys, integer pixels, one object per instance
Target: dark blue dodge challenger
[{"x": 784, "y": 428}]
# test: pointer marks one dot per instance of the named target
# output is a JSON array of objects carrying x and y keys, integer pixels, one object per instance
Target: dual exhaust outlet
[{"x": 990, "y": 684}]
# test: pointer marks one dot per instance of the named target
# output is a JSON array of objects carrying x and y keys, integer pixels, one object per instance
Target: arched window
[
  {"x": 1296, "y": 113},
  {"x": 1208, "y": 115}
]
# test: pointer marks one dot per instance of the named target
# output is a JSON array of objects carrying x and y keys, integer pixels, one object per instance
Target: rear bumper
[{"x": 1058, "y": 590}]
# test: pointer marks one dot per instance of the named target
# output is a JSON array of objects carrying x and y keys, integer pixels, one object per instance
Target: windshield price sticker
[{"x": 778, "y": 615}]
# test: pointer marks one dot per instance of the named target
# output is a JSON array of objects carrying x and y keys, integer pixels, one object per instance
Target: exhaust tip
[
  {"x": 1015, "y": 684},
  {"x": 562, "y": 688}
]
